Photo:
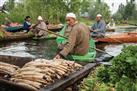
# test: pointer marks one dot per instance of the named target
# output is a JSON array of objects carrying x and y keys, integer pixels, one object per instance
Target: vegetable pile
[
  {"x": 42, "y": 72},
  {"x": 120, "y": 76}
]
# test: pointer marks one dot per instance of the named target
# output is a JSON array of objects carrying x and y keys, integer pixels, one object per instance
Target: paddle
[
  {"x": 53, "y": 33},
  {"x": 103, "y": 51}
]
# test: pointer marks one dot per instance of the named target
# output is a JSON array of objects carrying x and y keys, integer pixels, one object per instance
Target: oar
[
  {"x": 102, "y": 51},
  {"x": 53, "y": 33}
]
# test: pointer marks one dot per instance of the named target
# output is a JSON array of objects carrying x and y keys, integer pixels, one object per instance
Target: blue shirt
[
  {"x": 99, "y": 26},
  {"x": 26, "y": 25}
]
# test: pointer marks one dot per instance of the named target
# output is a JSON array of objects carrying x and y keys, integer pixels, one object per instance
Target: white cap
[
  {"x": 99, "y": 15},
  {"x": 40, "y": 18},
  {"x": 71, "y": 15}
]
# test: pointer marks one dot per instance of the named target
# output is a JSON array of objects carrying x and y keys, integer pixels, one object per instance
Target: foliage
[
  {"x": 126, "y": 12},
  {"x": 10, "y": 4},
  {"x": 99, "y": 7},
  {"x": 120, "y": 76},
  {"x": 86, "y": 21},
  {"x": 125, "y": 85},
  {"x": 52, "y": 10},
  {"x": 2, "y": 17},
  {"x": 92, "y": 83}
]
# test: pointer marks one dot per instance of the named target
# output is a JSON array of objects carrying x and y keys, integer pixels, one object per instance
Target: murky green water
[
  {"x": 30, "y": 48},
  {"x": 47, "y": 48}
]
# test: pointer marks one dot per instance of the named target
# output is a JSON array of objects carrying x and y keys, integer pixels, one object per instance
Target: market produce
[
  {"x": 7, "y": 69},
  {"x": 42, "y": 72},
  {"x": 120, "y": 76}
]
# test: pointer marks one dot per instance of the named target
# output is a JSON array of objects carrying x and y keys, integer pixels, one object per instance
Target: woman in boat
[
  {"x": 27, "y": 24},
  {"x": 40, "y": 28},
  {"x": 78, "y": 36},
  {"x": 98, "y": 29}
]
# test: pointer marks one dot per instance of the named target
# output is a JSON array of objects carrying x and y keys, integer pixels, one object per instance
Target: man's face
[
  {"x": 28, "y": 19},
  {"x": 70, "y": 21},
  {"x": 98, "y": 18}
]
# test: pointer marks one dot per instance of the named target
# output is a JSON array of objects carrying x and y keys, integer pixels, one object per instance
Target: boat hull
[{"x": 119, "y": 38}]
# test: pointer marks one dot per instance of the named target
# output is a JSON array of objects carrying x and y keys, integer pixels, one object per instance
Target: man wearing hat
[
  {"x": 78, "y": 38},
  {"x": 40, "y": 27},
  {"x": 98, "y": 29}
]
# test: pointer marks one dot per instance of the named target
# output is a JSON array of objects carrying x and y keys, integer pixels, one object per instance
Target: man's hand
[
  {"x": 91, "y": 30},
  {"x": 57, "y": 56}
]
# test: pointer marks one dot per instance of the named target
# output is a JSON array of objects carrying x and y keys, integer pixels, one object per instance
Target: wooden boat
[
  {"x": 59, "y": 85},
  {"x": 85, "y": 58},
  {"x": 111, "y": 29},
  {"x": 16, "y": 36},
  {"x": 13, "y": 28},
  {"x": 119, "y": 38}
]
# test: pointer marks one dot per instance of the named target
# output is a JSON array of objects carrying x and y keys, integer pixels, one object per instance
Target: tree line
[{"x": 55, "y": 10}]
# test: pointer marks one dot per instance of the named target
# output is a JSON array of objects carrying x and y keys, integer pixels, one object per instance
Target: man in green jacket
[{"x": 78, "y": 38}]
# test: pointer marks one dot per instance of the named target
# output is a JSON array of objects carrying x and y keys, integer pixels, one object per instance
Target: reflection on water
[
  {"x": 126, "y": 28},
  {"x": 30, "y": 48},
  {"x": 113, "y": 49}
]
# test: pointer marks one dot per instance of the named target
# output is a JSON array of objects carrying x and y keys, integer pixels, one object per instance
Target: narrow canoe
[
  {"x": 17, "y": 36},
  {"x": 13, "y": 29},
  {"x": 110, "y": 29},
  {"x": 119, "y": 38}
]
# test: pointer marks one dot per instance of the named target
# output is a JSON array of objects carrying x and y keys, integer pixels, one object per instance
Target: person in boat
[
  {"x": 40, "y": 28},
  {"x": 27, "y": 24},
  {"x": 78, "y": 37},
  {"x": 98, "y": 29},
  {"x": 111, "y": 24},
  {"x": 7, "y": 22}
]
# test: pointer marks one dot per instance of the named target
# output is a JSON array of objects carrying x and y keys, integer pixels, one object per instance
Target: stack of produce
[
  {"x": 42, "y": 72},
  {"x": 120, "y": 76},
  {"x": 7, "y": 69}
]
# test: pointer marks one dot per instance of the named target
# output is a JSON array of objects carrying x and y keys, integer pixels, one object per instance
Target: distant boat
[
  {"x": 110, "y": 26},
  {"x": 119, "y": 38},
  {"x": 13, "y": 29},
  {"x": 110, "y": 29}
]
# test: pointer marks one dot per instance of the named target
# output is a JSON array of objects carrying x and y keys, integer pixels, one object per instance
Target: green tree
[
  {"x": 10, "y": 4},
  {"x": 126, "y": 12},
  {"x": 99, "y": 7},
  {"x": 129, "y": 8},
  {"x": 53, "y": 10}
]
